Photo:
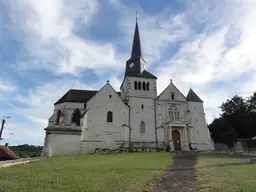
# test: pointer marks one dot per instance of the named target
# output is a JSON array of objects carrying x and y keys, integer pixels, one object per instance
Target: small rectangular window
[
  {"x": 142, "y": 106},
  {"x": 85, "y": 106},
  {"x": 110, "y": 96},
  {"x": 172, "y": 96}
]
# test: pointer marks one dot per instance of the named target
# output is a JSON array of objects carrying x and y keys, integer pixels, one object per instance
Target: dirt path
[{"x": 181, "y": 176}]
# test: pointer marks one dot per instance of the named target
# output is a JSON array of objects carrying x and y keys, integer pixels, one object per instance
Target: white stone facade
[
  {"x": 125, "y": 129},
  {"x": 136, "y": 117}
]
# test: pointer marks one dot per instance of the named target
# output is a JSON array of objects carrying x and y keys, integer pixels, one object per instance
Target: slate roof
[
  {"x": 75, "y": 95},
  {"x": 144, "y": 74},
  {"x": 136, "y": 46},
  {"x": 192, "y": 96},
  {"x": 78, "y": 96}
]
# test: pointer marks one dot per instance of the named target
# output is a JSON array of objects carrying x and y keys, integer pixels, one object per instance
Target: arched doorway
[{"x": 176, "y": 140}]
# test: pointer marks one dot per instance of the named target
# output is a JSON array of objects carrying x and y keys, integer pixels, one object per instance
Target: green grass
[
  {"x": 217, "y": 173},
  {"x": 116, "y": 172}
]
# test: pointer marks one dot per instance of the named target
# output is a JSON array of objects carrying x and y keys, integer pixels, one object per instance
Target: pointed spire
[
  {"x": 136, "y": 46},
  {"x": 136, "y": 64},
  {"x": 192, "y": 96}
]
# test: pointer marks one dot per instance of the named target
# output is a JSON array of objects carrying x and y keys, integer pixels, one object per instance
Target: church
[{"x": 135, "y": 117}]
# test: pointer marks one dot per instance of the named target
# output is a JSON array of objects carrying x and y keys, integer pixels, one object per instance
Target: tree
[
  {"x": 233, "y": 105},
  {"x": 252, "y": 102},
  {"x": 237, "y": 120},
  {"x": 236, "y": 112},
  {"x": 223, "y": 132}
]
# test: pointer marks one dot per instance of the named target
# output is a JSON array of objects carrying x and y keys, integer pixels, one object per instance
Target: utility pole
[{"x": 2, "y": 127}]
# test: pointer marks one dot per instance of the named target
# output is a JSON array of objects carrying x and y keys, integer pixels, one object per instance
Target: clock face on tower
[{"x": 131, "y": 65}]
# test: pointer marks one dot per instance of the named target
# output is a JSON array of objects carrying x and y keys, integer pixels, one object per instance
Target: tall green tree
[
  {"x": 237, "y": 120},
  {"x": 223, "y": 132}
]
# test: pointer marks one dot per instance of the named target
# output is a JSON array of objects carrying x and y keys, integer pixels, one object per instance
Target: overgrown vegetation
[
  {"x": 237, "y": 120},
  {"x": 114, "y": 172},
  {"x": 27, "y": 150},
  {"x": 216, "y": 173}
]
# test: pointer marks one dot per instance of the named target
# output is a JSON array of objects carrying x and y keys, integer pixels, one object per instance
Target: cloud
[
  {"x": 7, "y": 87},
  {"x": 51, "y": 40},
  {"x": 17, "y": 134},
  {"x": 207, "y": 45},
  {"x": 158, "y": 32},
  {"x": 221, "y": 54},
  {"x": 39, "y": 100}
]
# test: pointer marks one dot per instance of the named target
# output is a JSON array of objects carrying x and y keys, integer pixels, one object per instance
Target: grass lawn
[
  {"x": 217, "y": 173},
  {"x": 86, "y": 173}
]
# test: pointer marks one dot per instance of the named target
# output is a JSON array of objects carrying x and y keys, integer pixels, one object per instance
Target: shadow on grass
[
  {"x": 215, "y": 154},
  {"x": 209, "y": 166}
]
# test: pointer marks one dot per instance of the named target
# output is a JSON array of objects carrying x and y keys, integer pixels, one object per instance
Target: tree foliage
[
  {"x": 237, "y": 120},
  {"x": 27, "y": 150}
]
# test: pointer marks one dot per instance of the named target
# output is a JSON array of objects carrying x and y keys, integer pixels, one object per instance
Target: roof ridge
[{"x": 82, "y": 90}]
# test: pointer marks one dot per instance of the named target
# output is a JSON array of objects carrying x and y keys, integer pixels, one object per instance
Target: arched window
[
  {"x": 144, "y": 86},
  {"x": 139, "y": 85},
  {"x": 135, "y": 85},
  {"x": 142, "y": 127},
  {"x": 58, "y": 117},
  {"x": 174, "y": 112},
  {"x": 76, "y": 117},
  {"x": 148, "y": 86},
  {"x": 109, "y": 116}
]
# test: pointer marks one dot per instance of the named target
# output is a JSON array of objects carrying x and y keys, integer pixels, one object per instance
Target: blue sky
[{"x": 48, "y": 47}]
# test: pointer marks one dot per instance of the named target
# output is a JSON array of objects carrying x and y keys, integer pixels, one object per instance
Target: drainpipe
[
  {"x": 129, "y": 126},
  {"x": 155, "y": 121}
]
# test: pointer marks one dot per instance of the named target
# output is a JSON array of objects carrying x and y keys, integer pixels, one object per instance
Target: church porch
[{"x": 178, "y": 137}]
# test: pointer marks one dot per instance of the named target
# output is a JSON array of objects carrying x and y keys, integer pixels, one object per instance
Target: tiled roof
[
  {"x": 192, "y": 96},
  {"x": 78, "y": 96},
  {"x": 6, "y": 153},
  {"x": 75, "y": 95}
]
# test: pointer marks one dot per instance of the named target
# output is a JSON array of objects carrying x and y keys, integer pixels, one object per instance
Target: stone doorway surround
[
  {"x": 182, "y": 129},
  {"x": 176, "y": 140}
]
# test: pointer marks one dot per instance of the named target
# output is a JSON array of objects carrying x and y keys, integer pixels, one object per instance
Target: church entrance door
[{"x": 176, "y": 140}]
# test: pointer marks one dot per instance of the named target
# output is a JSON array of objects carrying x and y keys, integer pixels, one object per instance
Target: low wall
[
  {"x": 17, "y": 162},
  {"x": 133, "y": 147},
  {"x": 238, "y": 147}
]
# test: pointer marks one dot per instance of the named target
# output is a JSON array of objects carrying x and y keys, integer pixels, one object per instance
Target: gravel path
[{"x": 181, "y": 176}]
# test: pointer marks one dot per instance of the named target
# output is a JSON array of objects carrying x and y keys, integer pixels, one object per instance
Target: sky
[{"x": 50, "y": 46}]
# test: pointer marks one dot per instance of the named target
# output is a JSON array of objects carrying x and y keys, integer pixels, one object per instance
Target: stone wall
[
  {"x": 238, "y": 147},
  {"x": 95, "y": 147},
  {"x": 58, "y": 144}
]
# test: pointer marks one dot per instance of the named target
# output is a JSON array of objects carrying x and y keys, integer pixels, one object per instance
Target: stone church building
[{"x": 136, "y": 117}]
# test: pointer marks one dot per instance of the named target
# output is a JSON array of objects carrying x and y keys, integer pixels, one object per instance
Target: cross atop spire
[{"x": 136, "y": 13}]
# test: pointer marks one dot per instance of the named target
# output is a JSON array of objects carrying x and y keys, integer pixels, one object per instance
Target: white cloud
[
  {"x": 39, "y": 101},
  {"x": 214, "y": 42},
  {"x": 218, "y": 54},
  {"x": 50, "y": 38},
  {"x": 15, "y": 134},
  {"x": 7, "y": 87},
  {"x": 158, "y": 32}
]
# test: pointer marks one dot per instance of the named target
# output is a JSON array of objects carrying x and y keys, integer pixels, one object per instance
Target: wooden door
[{"x": 176, "y": 140}]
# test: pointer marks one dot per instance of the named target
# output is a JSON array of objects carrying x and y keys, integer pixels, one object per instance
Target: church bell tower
[
  {"x": 137, "y": 81},
  {"x": 136, "y": 64}
]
